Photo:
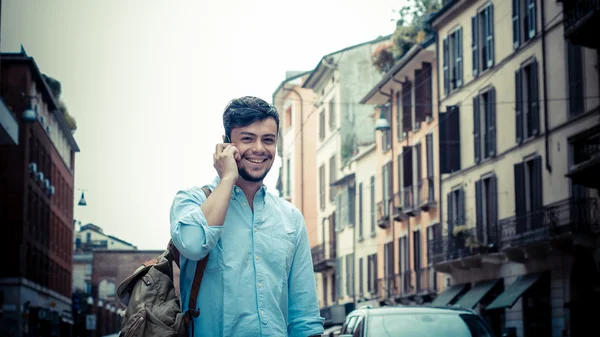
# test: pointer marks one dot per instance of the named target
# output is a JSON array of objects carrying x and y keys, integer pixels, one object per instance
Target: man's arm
[
  {"x": 197, "y": 221},
  {"x": 304, "y": 318}
]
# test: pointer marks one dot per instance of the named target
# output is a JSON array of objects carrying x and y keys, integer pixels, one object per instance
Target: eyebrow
[{"x": 254, "y": 135}]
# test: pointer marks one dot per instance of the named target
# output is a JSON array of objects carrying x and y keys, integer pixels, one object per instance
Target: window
[
  {"x": 486, "y": 209},
  {"x": 332, "y": 171},
  {"x": 399, "y": 110},
  {"x": 456, "y": 209},
  {"x": 406, "y": 107},
  {"x": 430, "y": 169},
  {"x": 340, "y": 215},
  {"x": 575, "y": 73},
  {"x": 449, "y": 125},
  {"x": 417, "y": 259},
  {"x": 527, "y": 113},
  {"x": 484, "y": 125},
  {"x": 407, "y": 177},
  {"x": 386, "y": 188},
  {"x": 350, "y": 274},
  {"x": 372, "y": 273},
  {"x": 528, "y": 195},
  {"x": 423, "y": 92},
  {"x": 322, "y": 125},
  {"x": 404, "y": 263},
  {"x": 524, "y": 20},
  {"x": 386, "y": 136},
  {"x": 322, "y": 187},
  {"x": 482, "y": 39},
  {"x": 434, "y": 233},
  {"x": 372, "y": 206},
  {"x": 360, "y": 211},
  {"x": 452, "y": 61},
  {"x": 351, "y": 205},
  {"x": 332, "y": 115}
]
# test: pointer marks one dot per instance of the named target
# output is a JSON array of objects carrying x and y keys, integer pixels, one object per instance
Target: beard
[{"x": 252, "y": 178}]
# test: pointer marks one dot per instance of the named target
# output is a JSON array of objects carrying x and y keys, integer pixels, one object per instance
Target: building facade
[
  {"x": 339, "y": 81},
  {"x": 297, "y": 147},
  {"x": 520, "y": 223},
  {"x": 36, "y": 205},
  {"x": 407, "y": 182}
]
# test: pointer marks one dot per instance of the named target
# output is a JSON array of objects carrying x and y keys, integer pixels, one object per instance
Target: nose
[{"x": 259, "y": 147}]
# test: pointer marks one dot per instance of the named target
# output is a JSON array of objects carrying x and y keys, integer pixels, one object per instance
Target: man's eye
[
  {"x": 246, "y": 139},
  {"x": 269, "y": 141}
]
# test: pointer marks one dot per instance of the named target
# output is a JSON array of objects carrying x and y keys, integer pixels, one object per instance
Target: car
[{"x": 414, "y": 321}]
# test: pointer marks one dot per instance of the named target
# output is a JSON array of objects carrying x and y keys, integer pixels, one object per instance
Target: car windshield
[{"x": 427, "y": 325}]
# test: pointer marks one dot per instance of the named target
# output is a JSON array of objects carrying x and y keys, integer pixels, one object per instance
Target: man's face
[{"x": 257, "y": 144}]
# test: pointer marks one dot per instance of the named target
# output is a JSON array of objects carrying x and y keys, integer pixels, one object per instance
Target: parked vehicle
[{"x": 414, "y": 321}]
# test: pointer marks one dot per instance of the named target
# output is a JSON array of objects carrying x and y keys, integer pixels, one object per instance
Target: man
[{"x": 259, "y": 278}]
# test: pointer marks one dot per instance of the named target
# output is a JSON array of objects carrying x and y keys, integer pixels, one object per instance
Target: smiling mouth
[{"x": 256, "y": 161}]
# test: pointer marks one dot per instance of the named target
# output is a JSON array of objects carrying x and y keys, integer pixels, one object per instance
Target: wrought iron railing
[
  {"x": 387, "y": 288},
  {"x": 586, "y": 149},
  {"x": 408, "y": 199},
  {"x": 427, "y": 192},
  {"x": 573, "y": 215},
  {"x": 463, "y": 242},
  {"x": 323, "y": 252}
]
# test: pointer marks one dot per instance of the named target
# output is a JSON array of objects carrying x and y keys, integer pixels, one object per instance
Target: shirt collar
[{"x": 236, "y": 189}]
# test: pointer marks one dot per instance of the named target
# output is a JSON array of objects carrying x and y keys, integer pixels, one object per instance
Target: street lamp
[
  {"x": 82, "y": 201},
  {"x": 384, "y": 126},
  {"x": 29, "y": 115}
]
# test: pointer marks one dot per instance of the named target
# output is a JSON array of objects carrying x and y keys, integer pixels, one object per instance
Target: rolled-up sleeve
[
  {"x": 190, "y": 232},
  {"x": 304, "y": 317}
]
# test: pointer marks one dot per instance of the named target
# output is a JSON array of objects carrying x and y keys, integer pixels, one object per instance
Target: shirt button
[
  {"x": 244, "y": 204},
  {"x": 262, "y": 312},
  {"x": 255, "y": 229},
  {"x": 257, "y": 257},
  {"x": 260, "y": 285}
]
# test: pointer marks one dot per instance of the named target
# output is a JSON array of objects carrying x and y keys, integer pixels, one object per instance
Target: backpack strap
[{"x": 193, "y": 310}]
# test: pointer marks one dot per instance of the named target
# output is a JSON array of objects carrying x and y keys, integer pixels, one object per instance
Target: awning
[
  {"x": 335, "y": 328},
  {"x": 511, "y": 295},
  {"x": 474, "y": 296},
  {"x": 450, "y": 294}
]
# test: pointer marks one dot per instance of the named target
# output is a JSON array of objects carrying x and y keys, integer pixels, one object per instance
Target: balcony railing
[
  {"x": 573, "y": 215},
  {"x": 463, "y": 243},
  {"x": 581, "y": 21},
  {"x": 387, "y": 287},
  {"x": 383, "y": 213},
  {"x": 426, "y": 280},
  {"x": 586, "y": 149},
  {"x": 427, "y": 194},
  {"x": 323, "y": 256},
  {"x": 408, "y": 200}
]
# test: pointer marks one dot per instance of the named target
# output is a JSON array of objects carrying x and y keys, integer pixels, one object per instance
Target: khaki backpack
[{"x": 152, "y": 302}]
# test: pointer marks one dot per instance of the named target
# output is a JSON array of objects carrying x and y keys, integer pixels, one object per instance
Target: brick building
[{"x": 36, "y": 205}]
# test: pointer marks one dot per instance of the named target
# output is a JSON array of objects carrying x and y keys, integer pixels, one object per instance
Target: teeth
[{"x": 255, "y": 161}]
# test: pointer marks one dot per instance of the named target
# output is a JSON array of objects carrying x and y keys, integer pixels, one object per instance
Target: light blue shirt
[{"x": 259, "y": 278}]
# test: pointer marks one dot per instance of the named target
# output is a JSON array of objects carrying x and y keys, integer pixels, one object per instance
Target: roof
[
  {"x": 22, "y": 57},
  {"x": 288, "y": 79},
  {"x": 319, "y": 72},
  {"x": 412, "y": 309}
]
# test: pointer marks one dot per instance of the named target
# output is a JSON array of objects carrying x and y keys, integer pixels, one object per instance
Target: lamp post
[{"x": 384, "y": 126}]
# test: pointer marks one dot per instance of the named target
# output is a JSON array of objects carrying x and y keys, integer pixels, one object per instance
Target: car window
[
  {"x": 427, "y": 325},
  {"x": 349, "y": 325},
  {"x": 359, "y": 327}
]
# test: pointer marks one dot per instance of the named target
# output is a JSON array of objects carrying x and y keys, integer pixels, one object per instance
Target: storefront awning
[
  {"x": 512, "y": 294},
  {"x": 474, "y": 296},
  {"x": 449, "y": 295}
]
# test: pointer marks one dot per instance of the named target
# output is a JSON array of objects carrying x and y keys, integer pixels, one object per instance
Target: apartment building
[
  {"x": 518, "y": 132},
  {"x": 339, "y": 81},
  {"x": 407, "y": 183},
  {"x": 298, "y": 147},
  {"x": 36, "y": 205}
]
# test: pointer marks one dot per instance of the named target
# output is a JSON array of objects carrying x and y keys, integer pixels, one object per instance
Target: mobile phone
[{"x": 227, "y": 139}]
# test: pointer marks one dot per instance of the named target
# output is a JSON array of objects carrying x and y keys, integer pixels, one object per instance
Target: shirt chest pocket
[{"x": 282, "y": 250}]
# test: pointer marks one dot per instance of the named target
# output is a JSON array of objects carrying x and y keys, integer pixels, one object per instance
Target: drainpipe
[
  {"x": 440, "y": 196},
  {"x": 301, "y": 147},
  {"x": 545, "y": 89}
]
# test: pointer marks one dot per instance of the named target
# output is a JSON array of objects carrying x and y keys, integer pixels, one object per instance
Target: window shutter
[
  {"x": 535, "y": 105},
  {"x": 429, "y": 145},
  {"x": 490, "y": 35},
  {"x": 479, "y": 206},
  {"x": 491, "y": 115},
  {"x": 493, "y": 213},
  {"x": 519, "y": 105},
  {"x": 516, "y": 23},
  {"x": 459, "y": 59},
  {"x": 474, "y": 45},
  {"x": 477, "y": 129},
  {"x": 450, "y": 216},
  {"x": 461, "y": 207},
  {"x": 520, "y": 197},
  {"x": 445, "y": 61},
  {"x": 531, "y": 18}
]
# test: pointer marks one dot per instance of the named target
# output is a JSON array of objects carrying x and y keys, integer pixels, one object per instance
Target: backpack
[{"x": 152, "y": 302}]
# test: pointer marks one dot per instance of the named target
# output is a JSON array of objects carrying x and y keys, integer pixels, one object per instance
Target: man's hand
[{"x": 225, "y": 161}]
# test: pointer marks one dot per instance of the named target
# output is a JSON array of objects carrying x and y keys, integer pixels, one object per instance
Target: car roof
[{"x": 411, "y": 309}]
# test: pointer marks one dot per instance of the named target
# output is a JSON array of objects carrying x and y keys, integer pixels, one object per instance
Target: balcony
[
  {"x": 323, "y": 256},
  {"x": 586, "y": 160},
  {"x": 555, "y": 224},
  {"x": 408, "y": 201},
  {"x": 387, "y": 288},
  {"x": 426, "y": 281},
  {"x": 465, "y": 248},
  {"x": 398, "y": 213},
  {"x": 383, "y": 214},
  {"x": 427, "y": 194},
  {"x": 582, "y": 22}
]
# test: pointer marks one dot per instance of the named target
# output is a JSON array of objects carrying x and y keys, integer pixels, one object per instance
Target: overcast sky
[{"x": 147, "y": 82}]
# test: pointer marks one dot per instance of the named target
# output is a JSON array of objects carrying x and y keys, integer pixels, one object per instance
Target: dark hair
[{"x": 246, "y": 110}]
